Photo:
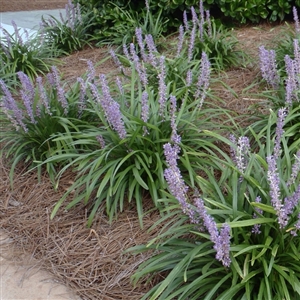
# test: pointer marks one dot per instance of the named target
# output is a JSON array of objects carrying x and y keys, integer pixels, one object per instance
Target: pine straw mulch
[
  {"x": 91, "y": 260},
  {"x": 88, "y": 260}
]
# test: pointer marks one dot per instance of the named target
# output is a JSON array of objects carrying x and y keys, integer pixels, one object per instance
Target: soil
[
  {"x": 24, "y": 5},
  {"x": 91, "y": 260}
]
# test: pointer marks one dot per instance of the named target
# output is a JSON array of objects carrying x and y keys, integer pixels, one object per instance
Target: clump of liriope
[
  {"x": 134, "y": 121},
  {"x": 283, "y": 91},
  {"x": 240, "y": 238},
  {"x": 70, "y": 33},
  {"x": 24, "y": 51},
  {"x": 285, "y": 43},
  {"x": 34, "y": 115},
  {"x": 205, "y": 34}
]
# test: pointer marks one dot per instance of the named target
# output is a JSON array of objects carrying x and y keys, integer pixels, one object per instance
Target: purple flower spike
[
  {"x": 162, "y": 86},
  {"x": 191, "y": 44},
  {"x": 43, "y": 96},
  {"x": 268, "y": 66},
  {"x": 145, "y": 111},
  {"x": 221, "y": 240},
  {"x": 295, "y": 169},
  {"x": 91, "y": 71},
  {"x": 185, "y": 21},
  {"x": 111, "y": 109},
  {"x": 203, "y": 80},
  {"x": 256, "y": 227},
  {"x": 11, "y": 109},
  {"x": 173, "y": 177},
  {"x": 139, "y": 38},
  {"x": 175, "y": 137},
  {"x": 279, "y": 131},
  {"x": 101, "y": 141},
  {"x": 180, "y": 40},
  {"x": 296, "y": 19},
  {"x": 274, "y": 182},
  {"x": 27, "y": 93},
  {"x": 59, "y": 90},
  {"x": 152, "y": 50}
]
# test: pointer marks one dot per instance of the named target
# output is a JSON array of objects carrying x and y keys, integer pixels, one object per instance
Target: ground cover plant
[
  {"x": 21, "y": 52},
  {"x": 235, "y": 196},
  {"x": 71, "y": 32}
]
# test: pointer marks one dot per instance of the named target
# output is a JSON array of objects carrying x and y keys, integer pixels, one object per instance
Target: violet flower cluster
[
  {"x": 240, "y": 154},
  {"x": 268, "y": 66},
  {"x": 256, "y": 227},
  {"x": 197, "y": 215},
  {"x": 292, "y": 67},
  {"x": 110, "y": 107},
  {"x": 203, "y": 80},
  {"x": 27, "y": 94},
  {"x": 11, "y": 108}
]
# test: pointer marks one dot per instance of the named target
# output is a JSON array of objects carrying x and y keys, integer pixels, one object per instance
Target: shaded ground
[{"x": 91, "y": 260}]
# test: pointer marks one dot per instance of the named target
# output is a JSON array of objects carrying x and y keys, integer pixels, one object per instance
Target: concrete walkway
[
  {"x": 24, "y": 280},
  {"x": 29, "y": 20}
]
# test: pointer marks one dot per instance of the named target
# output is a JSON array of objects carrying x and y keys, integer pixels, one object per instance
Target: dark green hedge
[{"x": 110, "y": 15}]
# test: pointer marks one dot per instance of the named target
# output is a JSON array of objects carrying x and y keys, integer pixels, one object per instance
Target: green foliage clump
[
  {"x": 29, "y": 125},
  {"x": 257, "y": 196},
  {"x": 69, "y": 34},
  {"x": 23, "y": 52}
]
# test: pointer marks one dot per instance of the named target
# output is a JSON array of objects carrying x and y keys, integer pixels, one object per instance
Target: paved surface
[
  {"x": 29, "y": 20},
  {"x": 22, "y": 281},
  {"x": 25, "y": 281}
]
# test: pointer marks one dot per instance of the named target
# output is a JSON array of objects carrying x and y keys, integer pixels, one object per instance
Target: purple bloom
[
  {"x": 116, "y": 59},
  {"x": 221, "y": 240},
  {"x": 279, "y": 131},
  {"x": 91, "y": 71},
  {"x": 174, "y": 179},
  {"x": 119, "y": 85},
  {"x": 175, "y": 137},
  {"x": 27, "y": 93},
  {"x": 111, "y": 109},
  {"x": 145, "y": 107},
  {"x": 138, "y": 66},
  {"x": 292, "y": 84},
  {"x": 185, "y": 21},
  {"x": 268, "y": 66},
  {"x": 191, "y": 44},
  {"x": 290, "y": 203},
  {"x": 18, "y": 37},
  {"x": 145, "y": 110},
  {"x": 256, "y": 227},
  {"x": 295, "y": 169},
  {"x": 11, "y": 109},
  {"x": 201, "y": 23},
  {"x": 151, "y": 49},
  {"x": 274, "y": 183},
  {"x": 43, "y": 95},
  {"x": 139, "y": 38},
  {"x": 189, "y": 78},
  {"x": 242, "y": 153},
  {"x": 82, "y": 96},
  {"x": 203, "y": 79},
  {"x": 208, "y": 21},
  {"x": 101, "y": 141},
  {"x": 59, "y": 90},
  {"x": 162, "y": 89},
  {"x": 179, "y": 190},
  {"x": 125, "y": 51},
  {"x": 180, "y": 40}
]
